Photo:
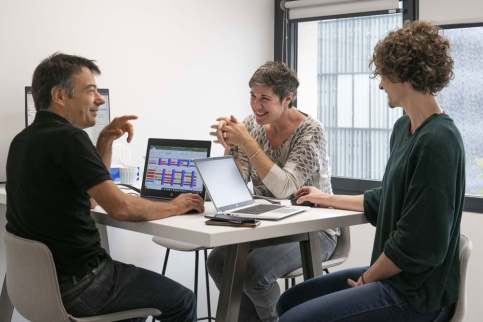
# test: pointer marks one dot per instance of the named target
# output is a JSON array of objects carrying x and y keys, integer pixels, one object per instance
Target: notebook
[
  {"x": 169, "y": 169},
  {"x": 230, "y": 194}
]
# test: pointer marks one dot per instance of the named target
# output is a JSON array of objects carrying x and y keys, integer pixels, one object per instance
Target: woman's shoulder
[
  {"x": 440, "y": 130},
  {"x": 311, "y": 125}
]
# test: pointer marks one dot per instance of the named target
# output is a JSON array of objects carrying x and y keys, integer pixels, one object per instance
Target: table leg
[
  {"x": 232, "y": 282},
  {"x": 6, "y": 306},
  {"x": 311, "y": 259}
]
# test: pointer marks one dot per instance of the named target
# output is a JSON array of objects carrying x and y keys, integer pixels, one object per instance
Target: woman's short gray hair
[{"x": 279, "y": 77}]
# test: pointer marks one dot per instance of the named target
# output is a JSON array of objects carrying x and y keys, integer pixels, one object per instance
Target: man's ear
[{"x": 58, "y": 96}]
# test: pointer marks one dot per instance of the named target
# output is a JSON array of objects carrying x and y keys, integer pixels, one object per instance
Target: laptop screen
[
  {"x": 224, "y": 182},
  {"x": 169, "y": 169}
]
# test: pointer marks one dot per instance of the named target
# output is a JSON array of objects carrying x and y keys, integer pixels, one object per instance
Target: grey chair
[
  {"x": 33, "y": 287},
  {"x": 339, "y": 256},
  {"x": 170, "y": 244},
  {"x": 465, "y": 251}
]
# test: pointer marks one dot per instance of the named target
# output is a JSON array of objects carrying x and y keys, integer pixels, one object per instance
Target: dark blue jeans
[
  {"x": 113, "y": 286},
  {"x": 330, "y": 298}
]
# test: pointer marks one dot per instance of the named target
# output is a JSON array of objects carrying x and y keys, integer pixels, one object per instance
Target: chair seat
[
  {"x": 177, "y": 245},
  {"x": 327, "y": 264},
  {"x": 123, "y": 315}
]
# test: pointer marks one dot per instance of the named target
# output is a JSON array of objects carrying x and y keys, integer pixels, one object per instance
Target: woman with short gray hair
[{"x": 279, "y": 149}]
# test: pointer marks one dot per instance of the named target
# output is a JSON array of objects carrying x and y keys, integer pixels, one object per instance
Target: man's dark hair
[{"x": 58, "y": 70}]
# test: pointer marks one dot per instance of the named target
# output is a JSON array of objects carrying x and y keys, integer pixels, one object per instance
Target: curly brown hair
[{"x": 416, "y": 54}]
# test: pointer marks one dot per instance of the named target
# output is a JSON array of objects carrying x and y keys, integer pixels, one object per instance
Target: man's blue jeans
[
  {"x": 330, "y": 298},
  {"x": 113, "y": 286},
  {"x": 264, "y": 266}
]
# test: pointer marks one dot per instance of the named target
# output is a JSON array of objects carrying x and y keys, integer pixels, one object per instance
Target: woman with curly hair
[{"x": 414, "y": 272}]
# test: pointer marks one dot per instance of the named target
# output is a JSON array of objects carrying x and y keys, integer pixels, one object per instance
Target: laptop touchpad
[{"x": 284, "y": 210}]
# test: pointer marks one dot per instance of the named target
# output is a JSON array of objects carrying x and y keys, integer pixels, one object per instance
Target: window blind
[
  {"x": 301, "y": 9},
  {"x": 450, "y": 12}
]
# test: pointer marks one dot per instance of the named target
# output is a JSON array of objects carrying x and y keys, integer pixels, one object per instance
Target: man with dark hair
[{"x": 55, "y": 176}]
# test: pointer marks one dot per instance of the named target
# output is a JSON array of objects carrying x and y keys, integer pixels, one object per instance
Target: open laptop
[
  {"x": 169, "y": 169},
  {"x": 230, "y": 194}
]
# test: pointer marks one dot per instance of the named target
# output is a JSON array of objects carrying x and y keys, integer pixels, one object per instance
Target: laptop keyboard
[{"x": 257, "y": 209}]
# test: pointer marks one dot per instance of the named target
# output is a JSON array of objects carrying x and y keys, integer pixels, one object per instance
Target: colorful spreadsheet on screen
[{"x": 173, "y": 168}]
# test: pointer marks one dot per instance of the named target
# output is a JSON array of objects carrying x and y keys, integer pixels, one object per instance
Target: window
[
  {"x": 331, "y": 56},
  {"x": 462, "y": 99},
  {"x": 332, "y": 66}
]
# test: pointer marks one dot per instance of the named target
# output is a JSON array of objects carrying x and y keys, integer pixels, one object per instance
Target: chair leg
[
  {"x": 165, "y": 261},
  {"x": 286, "y": 282},
  {"x": 197, "y": 256},
  {"x": 208, "y": 317},
  {"x": 207, "y": 285},
  {"x": 326, "y": 271},
  {"x": 165, "y": 264}
]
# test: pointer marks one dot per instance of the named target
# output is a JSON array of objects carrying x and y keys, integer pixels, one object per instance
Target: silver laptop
[{"x": 230, "y": 194}]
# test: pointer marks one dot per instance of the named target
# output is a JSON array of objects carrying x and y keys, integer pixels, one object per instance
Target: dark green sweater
[{"x": 417, "y": 211}]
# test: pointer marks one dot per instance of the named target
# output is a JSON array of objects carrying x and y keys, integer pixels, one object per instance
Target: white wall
[
  {"x": 176, "y": 64},
  {"x": 157, "y": 57}
]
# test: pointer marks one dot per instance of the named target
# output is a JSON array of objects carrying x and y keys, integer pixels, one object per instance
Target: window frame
[
  {"x": 410, "y": 11},
  {"x": 472, "y": 203}
]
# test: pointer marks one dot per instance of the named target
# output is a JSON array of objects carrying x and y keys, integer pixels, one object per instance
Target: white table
[{"x": 302, "y": 227}]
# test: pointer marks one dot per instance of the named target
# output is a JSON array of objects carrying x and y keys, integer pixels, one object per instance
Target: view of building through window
[
  {"x": 462, "y": 99},
  {"x": 336, "y": 86}
]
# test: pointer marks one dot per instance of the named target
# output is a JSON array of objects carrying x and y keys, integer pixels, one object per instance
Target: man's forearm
[
  {"x": 137, "y": 210},
  {"x": 124, "y": 207},
  {"x": 104, "y": 148},
  {"x": 128, "y": 208}
]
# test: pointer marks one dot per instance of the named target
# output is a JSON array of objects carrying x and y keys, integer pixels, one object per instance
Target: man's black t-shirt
[{"x": 50, "y": 166}]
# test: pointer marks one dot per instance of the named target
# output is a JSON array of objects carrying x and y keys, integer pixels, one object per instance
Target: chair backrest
[
  {"x": 465, "y": 251},
  {"x": 342, "y": 249},
  {"x": 32, "y": 280},
  {"x": 33, "y": 288}
]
